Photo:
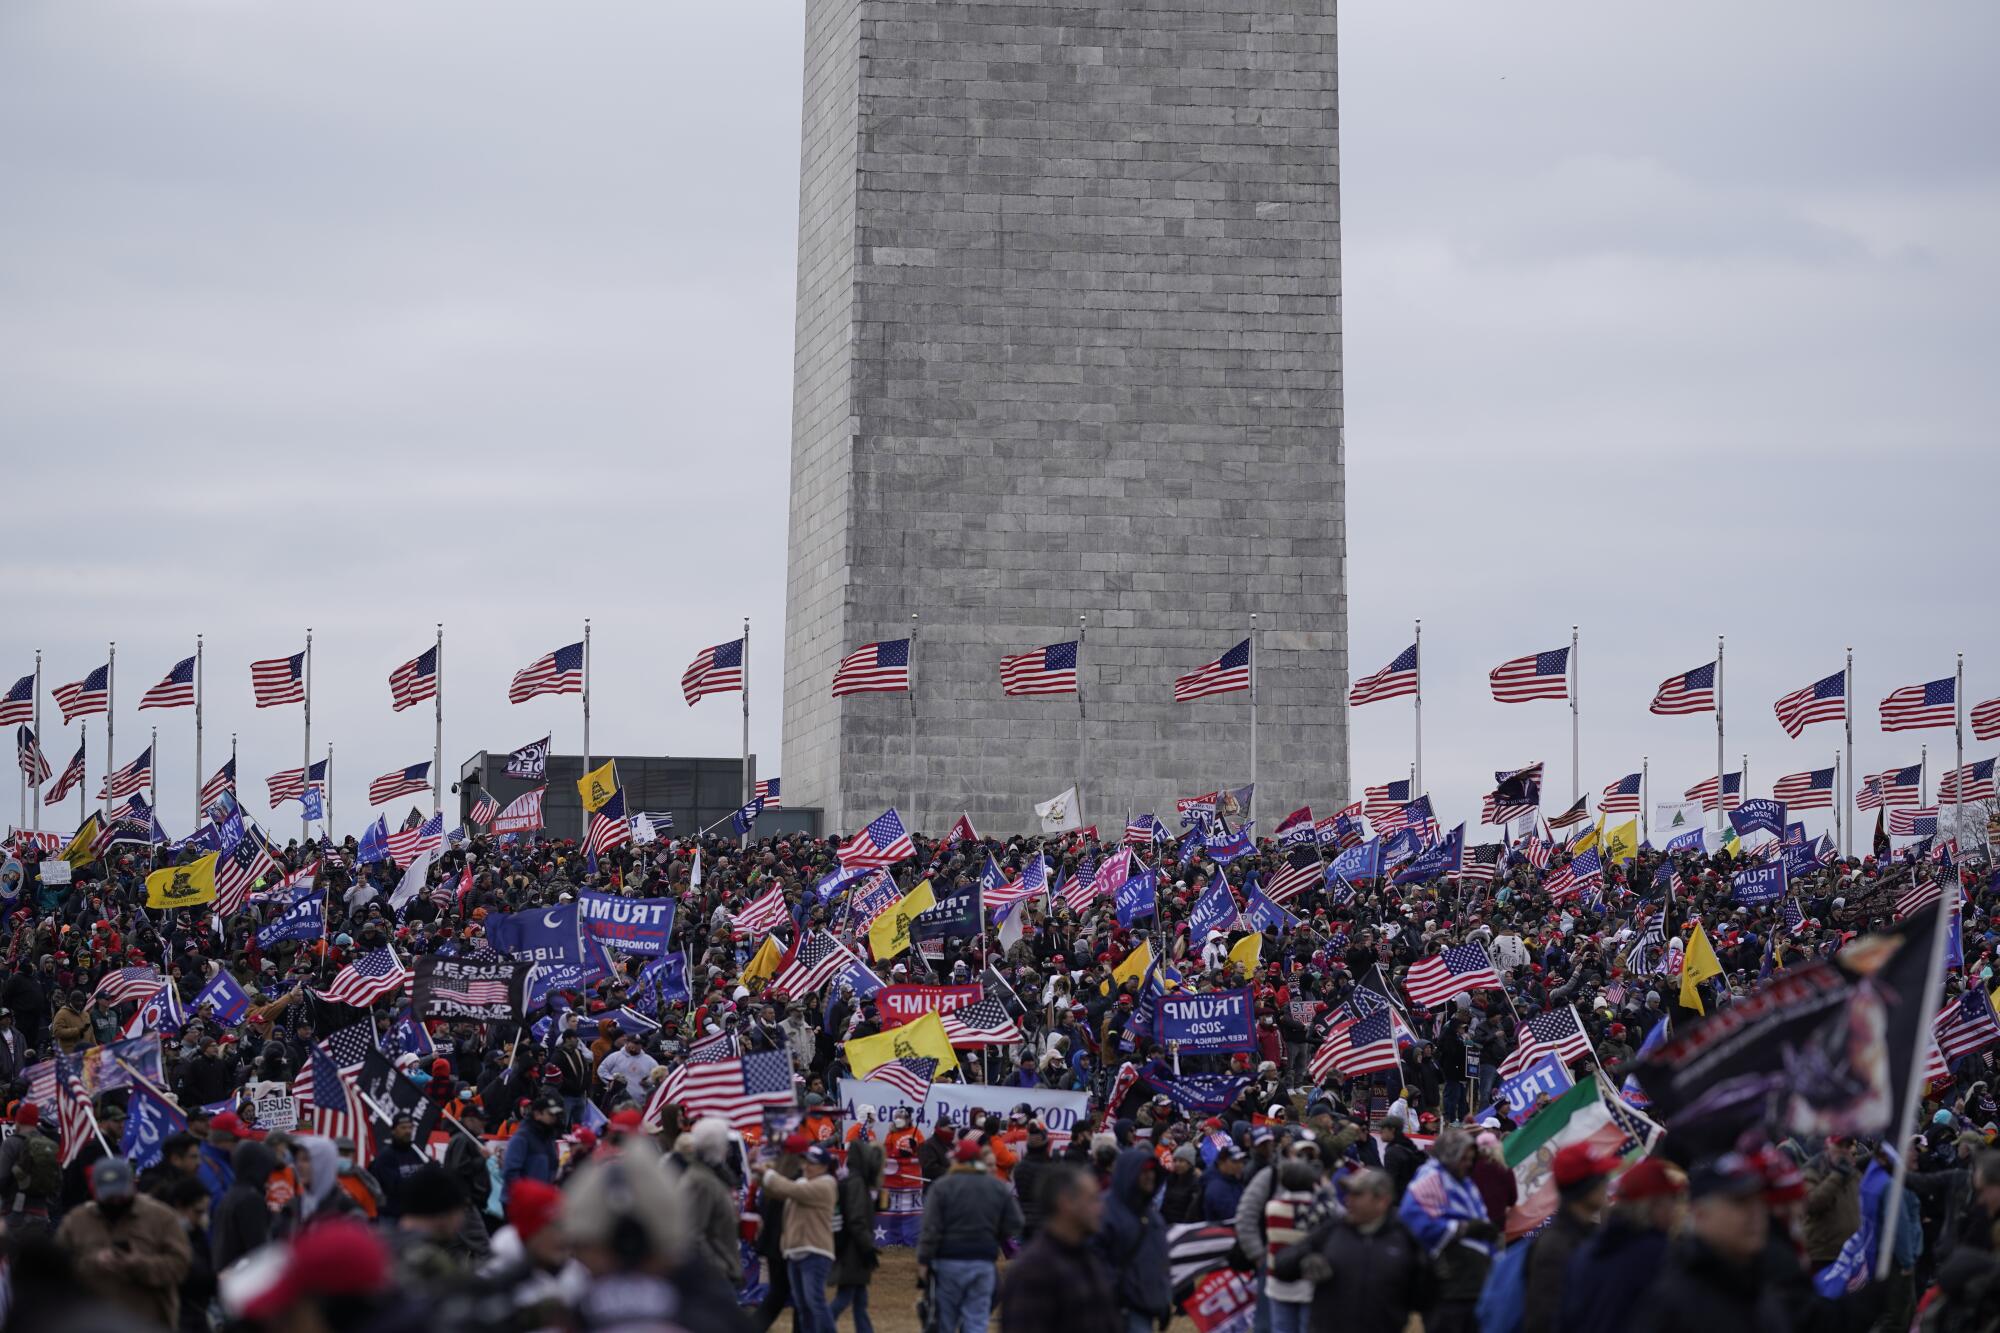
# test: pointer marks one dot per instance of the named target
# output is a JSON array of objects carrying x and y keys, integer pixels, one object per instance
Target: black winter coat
[{"x": 1133, "y": 1239}]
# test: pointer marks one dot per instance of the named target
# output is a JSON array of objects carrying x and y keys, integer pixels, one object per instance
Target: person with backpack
[
  {"x": 30, "y": 1172},
  {"x": 1133, "y": 1241}
]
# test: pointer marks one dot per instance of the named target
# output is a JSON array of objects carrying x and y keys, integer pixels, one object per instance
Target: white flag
[
  {"x": 413, "y": 880},
  {"x": 1671, "y": 818},
  {"x": 1061, "y": 814},
  {"x": 694, "y": 879},
  {"x": 642, "y": 830},
  {"x": 1010, "y": 924}
]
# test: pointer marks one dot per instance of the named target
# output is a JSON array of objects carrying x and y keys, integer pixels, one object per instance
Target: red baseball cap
[
  {"x": 231, "y": 1123},
  {"x": 336, "y": 1258}
]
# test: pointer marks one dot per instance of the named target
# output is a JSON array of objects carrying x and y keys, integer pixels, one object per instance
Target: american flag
[
  {"x": 883, "y": 843},
  {"x": 176, "y": 691},
  {"x": 1482, "y": 863},
  {"x": 1225, "y": 674},
  {"x": 1732, "y": 792},
  {"x": 1985, "y": 719},
  {"x": 348, "y": 1047},
  {"x": 1575, "y": 875},
  {"x": 90, "y": 695},
  {"x": 236, "y": 872},
  {"x": 910, "y": 1075},
  {"x": 1302, "y": 870},
  {"x": 610, "y": 828},
  {"x": 986, "y": 1023},
  {"x": 34, "y": 764},
  {"x": 18, "y": 704},
  {"x": 1536, "y": 676},
  {"x": 559, "y": 672},
  {"x": 767, "y": 792},
  {"x": 1050, "y": 670},
  {"x": 1415, "y": 814},
  {"x": 738, "y": 1087},
  {"x": 337, "y": 1109},
  {"x": 126, "y": 983},
  {"x": 1935, "y": 1069},
  {"x": 1975, "y": 778},
  {"x": 279, "y": 680},
  {"x": 1519, "y": 793},
  {"x": 716, "y": 670},
  {"x": 74, "y": 1114},
  {"x": 406, "y": 845},
  {"x": 1455, "y": 971},
  {"x": 874, "y": 668},
  {"x": 1559, "y": 1031},
  {"x": 1621, "y": 797},
  {"x": 1079, "y": 889},
  {"x": 414, "y": 681},
  {"x": 815, "y": 959},
  {"x": 1806, "y": 791},
  {"x": 484, "y": 810},
  {"x": 1915, "y": 707},
  {"x": 1570, "y": 818},
  {"x": 1143, "y": 831},
  {"x": 476, "y": 991},
  {"x": 223, "y": 781},
  {"x": 1891, "y": 787},
  {"x": 1822, "y": 701},
  {"x": 374, "y": 974},
  {"x": 1032, "y": 881},
  {"x": 764, "y": 915},
  {"x": 133, "y": 778},
  {"x": 1689, "y": 692},
  {"x": 1399, "y": 678},
  {"x": 1966, "y": 1025},
  {"x": 417, "y": 777},
  {"x": 1356, "y": 1047},
  {"x": 1913, "y": 822},
  {"x": 290, "y": 784},
  {"x": 1378, "y": 801}
]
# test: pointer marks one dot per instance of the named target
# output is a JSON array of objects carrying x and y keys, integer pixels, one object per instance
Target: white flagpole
[
  {"x": 1575, "y": 744},
  {"x": 199, "y": 776},
  {"x": 110, "y": 708},
  {"x": 326, "y": 802},
  {"x": 1250, "y": 815},
  {"x": 1082, "y": 735},
  {"x": 1720, "y": 817},
  {"x": 1923, "y": 774},
  {"x": 153, "y": 772},
  {"x": 586, "y": 714},
  {"x": 306, "y": 752},
  {"x": 38, "y": 734},
  {"x": 746, "y": 728},
  {"x": 1645, "y": 795},
  {"x": 913, "y": 822},
  {"x": 1840, "y": 812},
  {"x": 437, "y": 743},
  {"x": 1958, "y": 765},
  {"x": 1847, "y": 800},
  {"x": 83, "y": 749},
  {"x": 1417, "y": 770}
]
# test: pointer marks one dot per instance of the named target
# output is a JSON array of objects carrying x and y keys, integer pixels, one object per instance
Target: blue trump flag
[
  {"x": 1757, "y": 885},
  {"x": 1855, "y": 1264},
  {"x": 1264, "y": 913},
  {"x": 1138, "y": 898},
  {"x": 1691, "y": 841},
  {"x": 745, "y": 817},
  {"x": 149, "y": 1122},
  {"x": 634, "y": 925},
  {"x": 832, "y": 886},
  {"x": 1756, "y": 814},
  {"x": 304, "y": 919},
  {"x": 1214, "y": 910},
  {"x": 1445, "y": 858},
  {"x": 666, "y": 979},
  {"x": 550, "y": 938},
  {"x": 1224, "y": 849},
  {"x": 312, "y": 805},
  {"x": 229, "y": 1002},
  {"x": 1361, "y": 861},
  {"x": 374, "y": 844},
  {"x": 408, "y": 1037}
]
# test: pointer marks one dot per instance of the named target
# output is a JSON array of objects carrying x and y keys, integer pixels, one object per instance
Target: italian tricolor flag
[{"x": 1591, "y": 1112}]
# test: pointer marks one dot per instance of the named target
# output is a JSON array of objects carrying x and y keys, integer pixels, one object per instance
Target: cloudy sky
[{"x": 1671, "y": 323}]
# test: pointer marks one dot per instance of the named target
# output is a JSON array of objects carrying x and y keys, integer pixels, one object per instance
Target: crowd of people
[{"x": 545, "y": 1180}]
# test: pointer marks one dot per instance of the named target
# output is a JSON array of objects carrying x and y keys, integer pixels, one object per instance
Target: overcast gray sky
[{"x": 1672, "y": 322}]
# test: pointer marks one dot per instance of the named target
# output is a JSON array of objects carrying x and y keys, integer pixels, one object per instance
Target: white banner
[
  {"x": 276, "y": 1107},
  {"x": 1060, "y": 1111}
]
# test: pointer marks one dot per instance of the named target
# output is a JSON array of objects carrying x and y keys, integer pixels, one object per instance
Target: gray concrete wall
[{"x": 1068, "y": 345}]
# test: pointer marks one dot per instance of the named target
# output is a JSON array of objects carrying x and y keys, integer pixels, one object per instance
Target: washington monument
[{"x": 1068, "y": 355}]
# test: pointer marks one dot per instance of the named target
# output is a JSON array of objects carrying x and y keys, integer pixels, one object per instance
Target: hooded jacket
[
  {"x": 854, "y": 1251},
  {"x": 1133, "y": 1239},
  {"x": 242, "y": 1221}
]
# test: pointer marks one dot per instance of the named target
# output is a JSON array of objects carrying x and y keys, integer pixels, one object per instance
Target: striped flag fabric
[
  {"x": 1621, "y": 797},
  {"x": 1455, "y": 971},
  {"x": 1915, "y": 707},
  {"x": 1891, "y": 787},
  {"x": 738, "y": 1088},
  {"x": 1689, "y": 692},
  {"x": 223, "y": 782},
  {"x": 1032, "y": 882},
  {"x": 34, "y": 764},
  {"x": 1356, "y": 1047},
  {"x": 715, "y": 670},
  {"x": 417, "y": 777},
  {"x": 414, "y": 681},
  {"x": 1974, "y": 782},
  {"x": 874, "y": 668},
  {"x": 1295, "y": 828},
  {"x": 1966, "y": 1025},
  {"x": 609, "y": 827},
  {"x": 1401, "y": 677},
  {"x": 559, "y": 672},
  {"x": 985, "y": 1023},
  {"x": 1519, "y": 793},
  {"x": 1575, "y": 875},
  {"x": 1570, "y": 818},
  {"x": 1302, "y": 870},
  {"x": 764, "y": 915},
  {"x": 484, "y": 810},
  {"x": 176, "y": 691},
  {"x": 84, "y": 697},
  {"x": 1046, "y": 670},
  {"x": 130, "y": 780},
  {"x": 374, "y": 974},
  {"x": 523, "y": 814},
  {"x": 1914, "y": 822},
  {"x": 1558, "y": 1031},
  {"x": 1143, "y": 831},
  {"x": 1415, "y": 814},
  {"x": 767, "y": 792},
  {"x": 337, "y": 1109},
  {"x": 1812, "y": 790},
  {"x": 279, "y": 680},
  {"x": 290, "y": 784},
  {"x": 1917, "y": 897},
  {"x": 75, "y": 1116},
  {"x": 126, "y": 983},
  {"x": 1732, "y": 791},
  {"x": 238, "y": 871},
  {"x": 406, "y": 845},
  {"x": 1536, "y": 676},
  {"x": 1226, "y": 674},
  {"x": 1986, "y": 720},
  {"x": 1482, "y": 863},
  {"x": 882, "y": 843},
  {"x": 1378, "y": 801},
  {"x": 1824, "y": 700},
  {"x": 815, "y": 959},
  {"x": 911, "y": 1075},
  {"x": 18, "y": 704}
]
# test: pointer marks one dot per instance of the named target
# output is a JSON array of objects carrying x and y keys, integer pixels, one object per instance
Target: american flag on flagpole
[
  {"x": 874, "y": 668},
  {"x": 1415, "y": 814},
  {"x": 279, "y": 680},
  {"x": 1302, "y": 870},
  {"x": 238, "y": 871},
  {"x": 715, "y": 670},
  {"x": 484, "y": 810},
  {"x": 1689, "y": 692},
  {"x": 1621, "y": 797},
  {"x": 882, "y": 843},
  {"x": 1399, "y": 678},
  {"x": 406, "y": 845},
  {"x": 75, "y": 1116},
  {"x": 1047, "y": 670},
  {"x": 34, "y": 764},
  {"x": 1914, "y": 822},
  {"x": 1892, "y": 787},
  {"x": 417, "y": 777},
  {"x": 1357, "y": 1046},
  {"x": 176, "y": 691},
  {"x": 1824, "y": 700},
  {"x": 1453, "y": 972},
  {"x": 1482, "y": 863},
  {"x": 1032, "y": 881},
  {"x": 82, "y": 698},
  {"x": 739, "y": 1088},
  {"x": 764, "y": 915},
  {"x": 815, "y": 959},
  {"x": 911, "y": 1075},
  {"x": 1966, "y": 1025},
  {"x": 223, "y": 781},
  {"x": 414, "y": 681},
  {"x": 1378, "y": 801},
  {"x": 130, "y": 780},
  {"x": 126, "y": 983},
  {"x": 1915, "y": 707},
  {"x": 1811, "y": 790},
  {"x": 1536, "y": 676},
  {"x": 18, "y": 704},
  {"x": 1986, "y": 720},
  {"x": 559, "y": 672},
  {"x": 985, "y": 1023},
  {"x": 610, "y": 829},
  {"x": 290, "y": 784},
  {"x": 374, "y": 974},
  {"x": 1975, "y": 778},
  {"x": 767, "y": 792},
  {"x": 70, "y": 779},
  {"x": 1732, "y": 792},
  {"x": 1559, "y": 1031},
  {"x": 1570, "y": 818},
  {"x": 1226, "y": 674},
  {"x": 1519, "y": 793}
]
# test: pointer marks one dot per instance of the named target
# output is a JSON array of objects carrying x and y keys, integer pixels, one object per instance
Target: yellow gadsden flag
[
  {"x": 78, "y": 853},
  {"x": 597, "y": 786},
  {"x": 1697, "y": 965},
  {"x": 1135, "y": 964},
  {"x": 1621, "y": 843},
  {"x": 1247, "y": 952},
  {"x": 889, "y": 932},
  {"x": 183, "y": 886},
  {"x": 922, "y": 1036},
  {"x": 763, "y": 964}
]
